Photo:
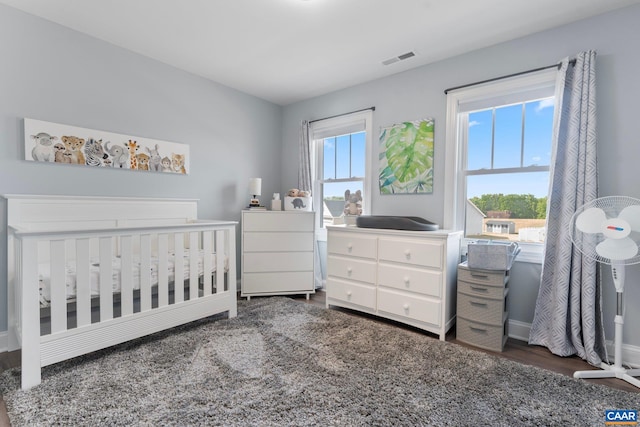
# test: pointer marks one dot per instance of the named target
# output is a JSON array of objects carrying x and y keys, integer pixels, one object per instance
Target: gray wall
[
  {"x": 55, "y": 74},
  {"x": 419, "y": 93},
  {"x": 51, "y": 73}
]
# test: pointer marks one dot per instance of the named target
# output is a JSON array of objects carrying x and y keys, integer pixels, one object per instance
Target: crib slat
[
  {"x": 58, "y": 287},
  {"x": 83, "y": 283},
  {"x": 30, "y": 325},
  {"x": 207, "y": 264},
  {"x": 106, "y": 278},
  {"x": 126, "y": 275},
  {"x": 145, "y": 272},
  {"x": 230, "y": 246},
  {"x": 220, "y": 258},
  {"x": 179, "y": 267},
  {"x": 194, "y": 249},
  {"x": 163, "y": 270}
]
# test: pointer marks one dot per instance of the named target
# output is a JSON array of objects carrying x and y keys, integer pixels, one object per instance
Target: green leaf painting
[{"x": 406, "y": 158}]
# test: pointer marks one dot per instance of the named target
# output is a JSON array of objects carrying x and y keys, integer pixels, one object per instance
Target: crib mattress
[{"x": 94, "y": 274}]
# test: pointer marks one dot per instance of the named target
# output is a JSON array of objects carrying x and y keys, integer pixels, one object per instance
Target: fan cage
[{"x": 586, "y": 242}]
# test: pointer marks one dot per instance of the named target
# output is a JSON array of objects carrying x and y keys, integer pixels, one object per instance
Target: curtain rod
[
  {"x": 343, "y": 114},
  {"x": 446, "y": 91}
]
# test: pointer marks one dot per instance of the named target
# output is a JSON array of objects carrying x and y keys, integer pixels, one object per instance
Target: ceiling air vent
[{"x": 399, "y": 58}]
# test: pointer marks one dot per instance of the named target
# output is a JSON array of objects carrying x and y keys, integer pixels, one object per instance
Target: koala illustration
[{"x": 44, "y": 150}]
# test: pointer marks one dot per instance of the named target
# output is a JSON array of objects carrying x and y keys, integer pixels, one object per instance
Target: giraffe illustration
[{"x": 132, "y": 146}]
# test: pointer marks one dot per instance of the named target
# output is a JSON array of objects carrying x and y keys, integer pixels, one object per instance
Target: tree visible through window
[{"x": 507, "y": 170}]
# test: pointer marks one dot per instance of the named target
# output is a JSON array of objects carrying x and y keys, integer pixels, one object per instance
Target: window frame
[
  {"x": 336, "y": 126},
  {"x": 481, "y": 96}
]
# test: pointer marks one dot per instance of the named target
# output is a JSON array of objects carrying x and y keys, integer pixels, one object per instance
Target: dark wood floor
[{"x": 515, "y": 350}]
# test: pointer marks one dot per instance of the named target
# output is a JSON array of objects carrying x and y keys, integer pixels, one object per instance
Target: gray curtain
[
  {"x": 305, "y": 183},
  {"x": 304, "y": 161},
  {"x": 568, "y": 314}
]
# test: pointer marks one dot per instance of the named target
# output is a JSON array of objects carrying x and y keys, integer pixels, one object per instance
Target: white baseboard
[
  {"x": 630, "y": 353},
  {"x": 519, "y": 330},
  {"x": 4, "y": 341}
]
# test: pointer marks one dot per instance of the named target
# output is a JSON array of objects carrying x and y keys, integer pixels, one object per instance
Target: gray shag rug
[{"x": 283, "y": 362}]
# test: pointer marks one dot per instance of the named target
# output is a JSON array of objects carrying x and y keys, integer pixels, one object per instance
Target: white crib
[{"x": 123, "y": 259}]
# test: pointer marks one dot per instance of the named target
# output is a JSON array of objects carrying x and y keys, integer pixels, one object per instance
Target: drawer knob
[
  {"x": 349, "y": 270},
  {"x": 348, "y": 293},
  {"x": 406, "y": 280},
  {"x": 406, "y": 306},
  {"x": 349, "y": 247},
  {"x": 407, "y": 253}
]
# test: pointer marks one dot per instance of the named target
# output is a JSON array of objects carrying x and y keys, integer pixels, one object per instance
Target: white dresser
[
  {"x": 407, "y": 276},
  {"x": 278, "y": 251}
]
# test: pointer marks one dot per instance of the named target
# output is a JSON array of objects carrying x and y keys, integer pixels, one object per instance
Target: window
[
  {"x": 498, "y": 160},
  {"x": 341, "y": 151}
]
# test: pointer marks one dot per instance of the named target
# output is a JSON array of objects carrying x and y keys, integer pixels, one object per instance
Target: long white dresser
[
  {"x": 406, "y": 276},
  {"x": 278, "y": 251}
]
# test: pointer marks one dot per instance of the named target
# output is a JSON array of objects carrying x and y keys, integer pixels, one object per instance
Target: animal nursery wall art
[{"x": 63, "y": 144}]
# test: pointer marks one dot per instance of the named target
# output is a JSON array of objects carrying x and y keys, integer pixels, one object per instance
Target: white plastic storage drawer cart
[{"x": 482, "y": 316}]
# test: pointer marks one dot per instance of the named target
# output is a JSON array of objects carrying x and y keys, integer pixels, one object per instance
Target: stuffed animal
[
  {"x": 353, "y": 203},
  {"x": 294, "y": 192}
]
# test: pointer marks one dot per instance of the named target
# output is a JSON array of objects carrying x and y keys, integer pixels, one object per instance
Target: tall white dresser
[
  {"x": 278, "y": 251},
  {"x": 406, "y": 276}
]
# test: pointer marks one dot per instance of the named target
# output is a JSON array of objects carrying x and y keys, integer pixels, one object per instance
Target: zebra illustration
[{"x": 95, "y": 153}]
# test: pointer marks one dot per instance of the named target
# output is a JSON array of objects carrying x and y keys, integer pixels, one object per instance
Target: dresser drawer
[
  {"x": 352, "y": 269},
  {"x": 485, "y": 310},
  {"x": 277, "y": 261},
  {"x": 409, "y": 305},
  {"x": 481, "y": 335},
  {"x": 416, "y": 252},
  {"x": 486, "y": 277},
  {"x": 277, "y": 221},
  {"x": 427, "y": 282},
  {"x": 277, "y": 242},
  {"x": 352, "y": 244},
  {"x": 354, "y": 293},
  {"x": 300, "y": 281},
  {"x": 481, "y": 290}
]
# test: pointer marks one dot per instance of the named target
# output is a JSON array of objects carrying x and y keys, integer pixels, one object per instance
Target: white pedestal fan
[{"x": 608, "y": 231}]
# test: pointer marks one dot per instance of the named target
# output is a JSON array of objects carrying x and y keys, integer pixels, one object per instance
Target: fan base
[{"x": 611, "y": 371}]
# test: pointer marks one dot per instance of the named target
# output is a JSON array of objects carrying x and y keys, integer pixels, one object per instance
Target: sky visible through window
[
  {"x": 508, "y": 152},
  {"x": 344, "y": 157}
]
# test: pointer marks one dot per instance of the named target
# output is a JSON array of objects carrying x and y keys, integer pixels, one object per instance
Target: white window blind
[{"x": 336, "y": 126}]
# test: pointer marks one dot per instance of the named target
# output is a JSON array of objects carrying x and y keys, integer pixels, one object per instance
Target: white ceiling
[{"x": 289, "y": 50}]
